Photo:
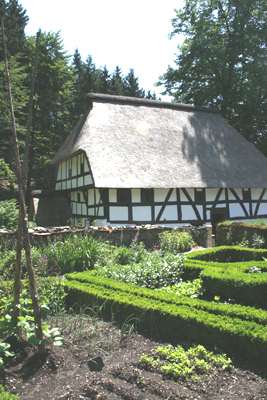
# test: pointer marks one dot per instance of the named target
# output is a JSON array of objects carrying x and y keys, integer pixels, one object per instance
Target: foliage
[
  {"x": 196, "y": 324},
  {"x": 9, "y": 214},
  {"x": 153, "y": 271},
  {"x": 185, "y": 364},
  {"x": 191, "y": 289},
  {"x": 6, "y": 171},
  {"x": 176, "y": 242},
  {"x": 78, "y": 252},
  {"x": 123, "y": 255},
  {"x": 222, "y": 61},
  {"x": 6, "y": 395}
]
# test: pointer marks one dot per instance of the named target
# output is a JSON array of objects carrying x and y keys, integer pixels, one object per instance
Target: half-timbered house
[{"x": 136, "y": 161}]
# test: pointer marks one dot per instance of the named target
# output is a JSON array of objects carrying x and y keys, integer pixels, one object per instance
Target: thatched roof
[{"x": 138, "y": 143}]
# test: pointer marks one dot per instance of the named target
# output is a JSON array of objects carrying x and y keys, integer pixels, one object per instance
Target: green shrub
[
  {"x": 178, "y": 322},
  {"x": 123, "y": 255},
  {"x": 153, "y": 271},
  {"x": 9, "y": 214},
  {"x": 176, "y": 242},
  {"x": 78, "y": 252},
  {"x": 228, "y": 254},
  {"x": 6, "y": 395}
]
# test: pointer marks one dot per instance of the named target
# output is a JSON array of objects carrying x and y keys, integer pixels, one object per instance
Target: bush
[
  {"x": 6, "y": 395},
  {"x": 176, "y": 242},
  {"x": 9, "y": 214},
  {"x": 123, "y": 255},
  {"x": 153, "y": 271},
  {"x": 76, "y": 253}
]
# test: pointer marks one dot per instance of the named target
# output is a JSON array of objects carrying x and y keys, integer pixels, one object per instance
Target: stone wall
[
  {"x": 119, "y": 236},
  {"x": 237, "y": 231}
]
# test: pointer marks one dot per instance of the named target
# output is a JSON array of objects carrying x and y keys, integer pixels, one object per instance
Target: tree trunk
[{"x": 33, "y": 289}]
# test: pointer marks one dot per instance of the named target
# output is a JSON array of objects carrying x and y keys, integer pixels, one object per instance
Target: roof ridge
[{"x": 137, "y": 101}]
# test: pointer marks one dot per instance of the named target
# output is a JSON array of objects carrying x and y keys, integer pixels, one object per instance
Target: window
[
  {"x": 124, "y": 196},
  {"x": 147, "y": 196},
  {"x": 69, "y": 173}
]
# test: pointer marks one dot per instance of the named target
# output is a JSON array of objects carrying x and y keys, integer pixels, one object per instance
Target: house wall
[{"x": 171, "y": 207}]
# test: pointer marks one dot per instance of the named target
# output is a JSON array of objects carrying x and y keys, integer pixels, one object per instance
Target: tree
[
  {"x": 116, "y": 84},
  {"x": 222, "y": 62},
  {"x": 54, "y": 96},
  {"x": 15, "y": 19},
  {"x": 132, "y": 85}
]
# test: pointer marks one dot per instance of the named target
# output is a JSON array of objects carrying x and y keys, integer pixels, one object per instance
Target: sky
[{"x": 119, "y": 32}]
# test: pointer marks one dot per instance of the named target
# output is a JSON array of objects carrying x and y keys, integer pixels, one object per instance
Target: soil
[{"x": 63, "y": 371}]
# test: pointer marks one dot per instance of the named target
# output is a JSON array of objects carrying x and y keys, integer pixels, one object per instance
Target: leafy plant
[
  {"x": 176, "y": 242},
  {"x": 153, "y": 271},
  {"x": 128, "y": 326},
  {"x": 4, "y": 348},
  {"x": 6, "y": 395},
  {"x": 186, "y": 364},
  {"x": 9, "y": 213},
  {"x": 191, "y": 289}
]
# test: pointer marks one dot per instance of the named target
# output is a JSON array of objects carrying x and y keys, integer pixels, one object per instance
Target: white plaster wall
[
  {"x": 200, "y": 210},
  {"x": 91, "y": 197},
  {"x": 64, "y": 185},
  {"x": 101, "y": 211},
  {"x": 74, "y": 183},
  {"x": 86, "y": 166},
  {"x": 235, "y": 210},
  {"x": 69, "y": 184},
  {"x": 112, "y": 195},
  {"x": 211, "y": 194},
  {"x": 118, "y": 213},
  {"x": 58, "y": 186},
  {"x": 262, "y": 209},
  {"x": 238, "y": 192},
  {"x": 190, "y": 192},
  {"x": 88, "y": 180},
  {"x": 84, "y": 209},
  {"x": 188, "y": 213},
  {"x": 80, "y": 181},
  {"x": 97, "y": 196},
  {"x": 64, "y": 170},
  {"x": 160, "y": 195},
  {"x": 91, "y": 211},
  {"x": 170, "y": 213},
  {"x": 142, "y": 213},
  {"x": 74, "y": 166},
  {"x": 136, "y": 195}
]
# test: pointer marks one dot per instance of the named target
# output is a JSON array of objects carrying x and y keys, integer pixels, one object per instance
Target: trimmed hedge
[
  {"x": 228, "y": 254},
  {"x": 231, "y": 310},
  {"x": 176, "y": 318}
]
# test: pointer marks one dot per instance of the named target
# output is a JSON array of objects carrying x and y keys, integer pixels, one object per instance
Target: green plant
[
  {"x": 186, "y": 364},
  {"x": 4, "y": 348},
  {"x": 257, "y": 241},
  {"x": 9, "y": 213},
  {"x": 153, "y": 270},
  {"x": 123, "y": 255},
  {"x": 191, "y": 289},
  {"x": 6, "y": 395},
  {"x": 128, "y": 326},
  {"x": 176, "y": 242},
  {"x": 78, "y": 252}
]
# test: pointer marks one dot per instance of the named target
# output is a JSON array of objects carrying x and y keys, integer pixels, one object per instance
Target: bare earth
[{"x": 63, "y": 372}]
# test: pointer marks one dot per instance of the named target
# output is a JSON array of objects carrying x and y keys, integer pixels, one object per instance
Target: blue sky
[{"x": 118, "y": 32}]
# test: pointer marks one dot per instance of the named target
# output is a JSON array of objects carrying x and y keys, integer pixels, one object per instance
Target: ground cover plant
[{"x": 99, "y": 274}]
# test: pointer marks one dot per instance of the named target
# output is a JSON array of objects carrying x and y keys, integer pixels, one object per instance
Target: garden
[{"x": 136, "y": 323}]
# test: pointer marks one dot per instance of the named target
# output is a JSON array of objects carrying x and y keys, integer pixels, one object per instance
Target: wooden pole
[
  {"x": 33, "y": 289},
  {"x": 17, "y": 274}
]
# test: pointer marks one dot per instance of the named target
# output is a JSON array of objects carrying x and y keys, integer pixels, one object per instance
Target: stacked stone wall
[{"x": 118, "y": 236}]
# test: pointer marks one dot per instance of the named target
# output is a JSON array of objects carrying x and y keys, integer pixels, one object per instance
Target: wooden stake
[
  {"x": 17, "y": 274},
  {"x": 33, "y": 289}
]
